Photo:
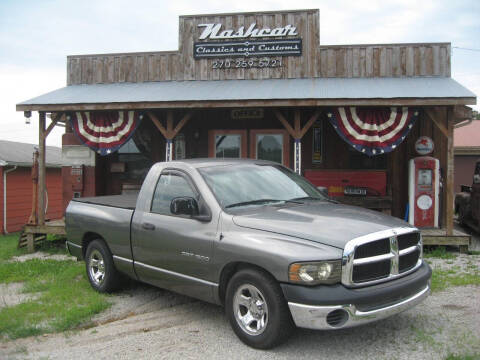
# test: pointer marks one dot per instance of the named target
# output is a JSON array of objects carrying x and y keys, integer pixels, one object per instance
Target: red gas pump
[{"x": 424, "y": 191}]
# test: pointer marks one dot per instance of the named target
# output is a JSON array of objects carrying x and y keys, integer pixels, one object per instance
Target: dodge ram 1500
[{"x": 256, "y": 238}]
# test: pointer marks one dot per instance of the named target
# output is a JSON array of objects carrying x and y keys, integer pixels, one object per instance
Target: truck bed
[{"x": 127, "y": 201}]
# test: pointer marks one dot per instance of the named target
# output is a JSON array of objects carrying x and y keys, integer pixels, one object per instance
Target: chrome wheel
[
  {"x": 250, "y": 309},
  {"x": 96, "y": 267}
]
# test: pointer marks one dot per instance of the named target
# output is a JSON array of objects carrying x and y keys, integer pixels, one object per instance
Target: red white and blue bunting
[
  {"x": 373, "y": 131},
  {"x": 105, "y": 131}
]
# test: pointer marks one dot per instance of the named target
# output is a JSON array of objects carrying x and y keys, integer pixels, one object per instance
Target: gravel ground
[{"x": 145, "y": 322}]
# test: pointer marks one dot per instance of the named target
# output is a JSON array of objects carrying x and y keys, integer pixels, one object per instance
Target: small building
[
  {"x": 261, "y": 85},
  {"x": 16, "y": 184},
  {"x": 467, "y": 152}
]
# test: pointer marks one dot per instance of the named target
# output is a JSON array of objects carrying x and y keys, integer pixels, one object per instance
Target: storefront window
[
  {"x": 270, "y": 147},
  {"x": 228, "y": 146},
  {"x": 137, "y": 163}
]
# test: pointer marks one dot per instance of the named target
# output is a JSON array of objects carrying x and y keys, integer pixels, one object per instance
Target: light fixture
[{"x": 28, "y": 115}]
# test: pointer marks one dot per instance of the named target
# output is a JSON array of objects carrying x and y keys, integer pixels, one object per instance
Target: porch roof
[{"x": 266, "y": 92}]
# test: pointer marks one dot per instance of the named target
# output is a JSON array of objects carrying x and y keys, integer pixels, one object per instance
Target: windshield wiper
[
  {"x": 314, "y": 198},
  {"x": 260, "y": 202}
]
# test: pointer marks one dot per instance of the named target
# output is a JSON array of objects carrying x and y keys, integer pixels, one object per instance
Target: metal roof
[
  {"x": 267, "y": 89},
  {"x": 21, "y": 154}
]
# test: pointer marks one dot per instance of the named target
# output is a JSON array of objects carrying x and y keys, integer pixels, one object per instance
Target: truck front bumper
[{"x": 337, "y": 307}]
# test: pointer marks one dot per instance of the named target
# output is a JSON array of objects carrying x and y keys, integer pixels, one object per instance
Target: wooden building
[
  {"x": 16, "y": 184},
  {"x": 257, "y": 85}
]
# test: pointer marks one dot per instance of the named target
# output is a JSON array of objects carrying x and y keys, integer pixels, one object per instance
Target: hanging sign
[
  {"x": 424, "y": 145},
  {"x": 252, "y": 46},
  {"x": 247, "y": 113}
]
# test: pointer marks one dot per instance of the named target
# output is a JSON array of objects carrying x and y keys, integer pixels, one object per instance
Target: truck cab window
[{"x": 169, "y": 186}]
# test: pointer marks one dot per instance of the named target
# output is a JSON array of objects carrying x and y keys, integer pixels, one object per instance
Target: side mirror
[
  {"x": 476, "y": 179},
  {"x": 189, "y": 206},
  {"x": 184, "y": 206}
]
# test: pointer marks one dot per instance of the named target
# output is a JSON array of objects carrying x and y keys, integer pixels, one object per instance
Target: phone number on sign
[{"x": 246, "y": 64}]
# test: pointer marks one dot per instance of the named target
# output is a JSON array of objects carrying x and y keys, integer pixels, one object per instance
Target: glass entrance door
[
  {"x": 270, "y": 144},
  {"x": 265, "y": 144},
  {"x": 227, "y": 144}
]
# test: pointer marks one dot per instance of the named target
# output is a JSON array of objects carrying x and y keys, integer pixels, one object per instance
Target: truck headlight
[{"x": 318, "y": 272}]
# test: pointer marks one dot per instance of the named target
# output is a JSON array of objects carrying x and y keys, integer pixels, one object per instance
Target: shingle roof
[{"x": 21, "y": 154}]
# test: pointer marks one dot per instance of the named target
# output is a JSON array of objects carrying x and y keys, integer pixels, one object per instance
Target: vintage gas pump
[
  {"x": 424, "y": 191},
  {"x": 76, "y": 179}
]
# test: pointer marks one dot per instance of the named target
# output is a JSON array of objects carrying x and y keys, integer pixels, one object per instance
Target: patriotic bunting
[
  {"x": 373, "y": 131},
  {"x": 105, "y": 131}
]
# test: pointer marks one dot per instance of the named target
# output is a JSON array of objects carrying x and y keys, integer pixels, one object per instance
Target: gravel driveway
[{"x": 146, "y": 322}]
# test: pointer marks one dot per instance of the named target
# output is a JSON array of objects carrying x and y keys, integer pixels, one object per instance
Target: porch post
[
  {"x": 297, "y": 133},
  {"x": 169, "y": 132},
  {"x": 41, "y": 168},
  {"x": 450, "y": 172},
  {"x": 298, "y": 156},
  {"x": 168, "y": 151}
]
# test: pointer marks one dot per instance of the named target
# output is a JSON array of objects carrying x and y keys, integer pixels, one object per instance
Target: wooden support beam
[
  {"x": 285, "y": 123},
  {"x": 41, "y": 168},
  {"x": 433, "y": 114},
  {"x": 169, "y": 124},
  {"x": 297, "y": 125},
  {"x": 450, "y": 172},
  {"x": 309, "y": 123},
  {"x": 182, "y": 123},
  {"x": 54, "y": 122},
  {"x": 157, "y": 123}
]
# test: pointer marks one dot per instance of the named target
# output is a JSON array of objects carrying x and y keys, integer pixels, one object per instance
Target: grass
[
  {"x": 438, "y": 252},
  {"x": 63, "y": 298},
  {"x": 442, "y": 279},
  {"x": 463, "y": 357}
]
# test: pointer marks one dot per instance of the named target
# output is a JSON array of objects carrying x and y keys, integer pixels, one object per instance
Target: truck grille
[{"x": 381, "y": 256}]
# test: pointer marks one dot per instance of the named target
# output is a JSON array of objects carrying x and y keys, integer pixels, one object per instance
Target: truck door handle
[{"x": 148, "y": 226}]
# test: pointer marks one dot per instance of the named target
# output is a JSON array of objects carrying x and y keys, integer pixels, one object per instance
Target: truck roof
[{"x": 204, "y": 162}]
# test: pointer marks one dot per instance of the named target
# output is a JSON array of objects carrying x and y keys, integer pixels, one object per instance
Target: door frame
[
  {"x": 243, "y": 141},
  {"x": 286, "y": 143}
]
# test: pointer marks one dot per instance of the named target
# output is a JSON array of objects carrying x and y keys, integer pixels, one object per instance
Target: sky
[{"x": 37, "y": 35}]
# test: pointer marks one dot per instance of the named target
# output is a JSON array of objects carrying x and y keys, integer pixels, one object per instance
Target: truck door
[{"x": 173, "y": 251}]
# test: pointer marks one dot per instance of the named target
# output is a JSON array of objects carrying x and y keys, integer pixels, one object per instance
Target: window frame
[
  {"x": 286, "y": 143},
  {"x": 243, "y": 142},
  {"x": 188, "y": 179}
]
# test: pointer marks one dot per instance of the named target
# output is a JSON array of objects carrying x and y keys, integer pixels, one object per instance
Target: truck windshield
[{"x": 256, "y": 185}]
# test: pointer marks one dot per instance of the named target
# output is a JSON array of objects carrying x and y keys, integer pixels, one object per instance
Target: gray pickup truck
[{"x": 257, "y": 238}]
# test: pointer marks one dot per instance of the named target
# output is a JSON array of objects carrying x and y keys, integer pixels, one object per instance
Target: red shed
[{"x": 16, "y": 184}]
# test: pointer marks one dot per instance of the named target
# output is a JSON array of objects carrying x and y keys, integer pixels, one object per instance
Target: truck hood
[{"x": 323, "y": 222}]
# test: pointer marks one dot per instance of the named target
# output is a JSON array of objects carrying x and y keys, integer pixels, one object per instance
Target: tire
[
  {"x": 101, "y": 271},
  {"x": 257, "y": 310}
]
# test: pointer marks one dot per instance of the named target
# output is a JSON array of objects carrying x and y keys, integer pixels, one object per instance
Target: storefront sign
[
  {"x": 247, "y": 114},
  {"x": 291, "y": 47},
  {"x": 212, "y": 31},
  {"x": 424, "y": 145}
]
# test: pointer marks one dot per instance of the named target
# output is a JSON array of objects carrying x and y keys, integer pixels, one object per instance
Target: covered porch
[{"x": 179, "y": 119}]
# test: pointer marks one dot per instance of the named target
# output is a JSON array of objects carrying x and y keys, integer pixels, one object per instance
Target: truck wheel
[
  {"x": 257, "y": 310},
  {"x": 101, "y": 271}
]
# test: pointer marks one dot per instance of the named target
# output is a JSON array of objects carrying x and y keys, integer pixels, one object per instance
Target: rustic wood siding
[
  {"x": 19, "y": 197},
  {"x": 344, "y": 61},
  {"x": 349, "y": 61}
]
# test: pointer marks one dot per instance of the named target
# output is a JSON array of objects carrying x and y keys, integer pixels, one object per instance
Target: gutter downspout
[
  {"x": 5, "y": 197},
  {"x": 463, "y": 123}
]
